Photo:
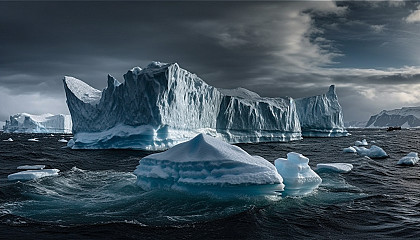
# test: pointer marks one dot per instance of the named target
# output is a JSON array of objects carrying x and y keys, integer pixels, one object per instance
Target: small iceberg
[
  {"x": 298, "y": 177},
  {"x": 410, "y": 160},
  {"x": 208, "y": 165},
  {"x": 335, "y": 167},
  {"x": 8, "y": 140},
  {"x": 349, "y": 150},
  {"x": 33, "y": 140},
  {"x": 31, "y": 167},
  {"x": 63, "y": 140},
  {"x": 373, "y": 152},
  {"x": 32, "y": 174},
  {"x": 361, "y": 143}
]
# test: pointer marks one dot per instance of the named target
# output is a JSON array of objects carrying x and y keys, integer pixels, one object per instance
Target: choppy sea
[{"x": 95, "y": 195}]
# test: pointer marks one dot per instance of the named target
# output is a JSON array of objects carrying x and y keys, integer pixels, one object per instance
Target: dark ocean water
[{"x": 95, "y": 196}]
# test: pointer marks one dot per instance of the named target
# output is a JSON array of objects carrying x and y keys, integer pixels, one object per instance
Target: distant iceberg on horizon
[
  {"x": 44, "y": 123},
  {"x": 163, "y": 105}
]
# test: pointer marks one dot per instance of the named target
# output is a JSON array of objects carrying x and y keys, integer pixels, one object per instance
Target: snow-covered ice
[
  {"x": 208, "y": 164},
  {"x": 33, "y": 140},
  {"x": 31, "y": 167},
  {"x": 411, "y": 159},
  {"x": 8, "y": 140},
  {"x": 335, "y": 167},
  {"x": 298, "y": 177},
  {"x": 162, "y": 105},
  {"x": 349, "y": 150},
  {"x": 372, "y": 152},
  {"x": 361, "y": 143},
  {"x": 33, "y": 174},
  {"x": 45, "y": 123},
  {"x": 321, "y": 116}
]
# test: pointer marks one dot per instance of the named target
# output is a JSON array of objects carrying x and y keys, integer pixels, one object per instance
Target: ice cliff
[
  {"x": 163, "y": 105},
  {"x": 403, "y": 117},
  {"x": 321, "y": 116},
  {"x": 45, "y": 123}
]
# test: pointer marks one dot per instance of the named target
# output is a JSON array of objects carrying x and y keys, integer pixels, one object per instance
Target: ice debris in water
[
  {"x": 207, "y": 164},
  {"x": 63, "y": 140},
  {"x": 297, "y": 175},
  {"x": 33, "y": 174},
  {"x": 361, "y": 143},
  {"x": 8, "y": 140},
  {"x": 33, "y": 140},
  {"x": 31, "y": 167},
  {"x": 411, "y": 159},
  {"x": 373, "y": 152},
  {"x": 349, "y": 150},
  {"x": 335, "y": 167}
]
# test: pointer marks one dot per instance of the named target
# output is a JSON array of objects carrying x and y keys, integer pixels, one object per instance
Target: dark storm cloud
[{"x": 273, "y": 48}]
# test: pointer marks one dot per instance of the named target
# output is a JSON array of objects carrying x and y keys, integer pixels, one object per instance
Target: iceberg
[
  {"x": 33, "y": 140},
  {"x": 321, "y": 116},
  {"x": 31, "y": 167},
  {"x": 373, "y": 152},
  {"x": 361, "y": 143},
  {"x": 335, "y": 167},
  {"x": 411, "y": 159},
  {"x": 32, "y": 174},
  {"x": 45, "y": 123},
  {"x": 349, "y": 150},
  {"x": 62, "y": 140},
  {"x": 8, "y": 140},
  {"x": 404, "y": 117},
  {"x": 162, "y": 105},
  {"x": 208, "y": 165},
  {"x": 298, "y": 177}
]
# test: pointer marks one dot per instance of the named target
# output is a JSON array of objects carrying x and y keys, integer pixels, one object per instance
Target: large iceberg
[
  {"x": 403, "y": 117},
  {"x": 321, "y": 116},
  {"x": 163, "y": 105},
  {"x": 208, "y": 165},
  {"x": 45, "y": 123}
]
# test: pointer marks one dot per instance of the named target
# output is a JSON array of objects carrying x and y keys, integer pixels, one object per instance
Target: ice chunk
[
  {"x": 33, "y": 174},
  {"x": 33, "y": 140},
  {"x": 335, "y": 167},
  {"x": 205, "y": 164},
  {"x": 321, "y": 116},
  {"x": 411, "y": 159},
  {"x": 8, "y": 140},
  {"x": 297, "y": 175},
  {"x": 349, "y": 150},
  {"x": 63, "y": 140},
  {"x": 45, "y": 123},
  {"x": 31, "y": 167},
  {"x": 361, "y": 143},
  {"x": 373, "y": 152}
]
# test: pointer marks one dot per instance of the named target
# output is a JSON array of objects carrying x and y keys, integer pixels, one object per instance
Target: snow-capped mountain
[{"x": 403, "y": 117}]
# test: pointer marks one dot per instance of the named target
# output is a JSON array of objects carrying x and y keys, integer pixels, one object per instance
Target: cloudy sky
[{"x": 369, "y": 50}]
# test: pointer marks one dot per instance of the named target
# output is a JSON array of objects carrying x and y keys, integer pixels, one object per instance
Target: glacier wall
[
  {"x": 163, "y": 105},
  {"x": 403, "y": 117},
  {"x": 321, "y": 116},
  {"x": 45, "y": 123}
]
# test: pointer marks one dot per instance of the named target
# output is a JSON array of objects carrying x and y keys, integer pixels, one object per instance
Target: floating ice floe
[
  {"x": 8, "y": 140},
  {"x": 298, "y": 177},
  {"x": 411, "y": 159},
  {"x": 373, "y": 152},
  {"x": 349, "y": 150},
  {"x": 33, "y": 140},
  {"x": 361, "y": 143},
  {"x": 31, "y": 167},
  {"x": 63, "y": 140},
  {"x": 33, "y": 174},
  {"x": 208, "y": 165},
  {"x": 335, "y": 167}
]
